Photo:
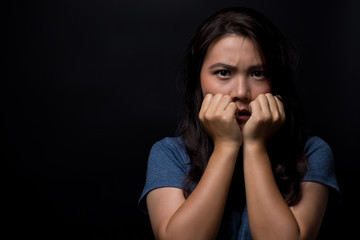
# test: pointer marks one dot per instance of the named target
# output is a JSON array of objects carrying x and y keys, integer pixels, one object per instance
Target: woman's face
[{"x": 233, "y": 66}]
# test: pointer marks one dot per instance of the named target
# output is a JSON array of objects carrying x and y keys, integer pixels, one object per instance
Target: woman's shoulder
[
  {"x": 170, "y": 142},
  {"x": 320, "y": 161},
  {"x": 173, "y": 144},
  {"x": 318, "y": 152},
  {"x": 314, "y": 143},
  {"x": 167, "y": 166},
  {"x": 170, "y": 149}
]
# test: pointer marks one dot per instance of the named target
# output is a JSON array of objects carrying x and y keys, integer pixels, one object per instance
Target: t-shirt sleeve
[
  {"x": 321, "y": 166},
  {"x": 167, "y": 167}
]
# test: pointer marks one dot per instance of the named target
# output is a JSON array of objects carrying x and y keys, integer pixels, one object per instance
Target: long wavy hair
[{"x": 286, "y": 147}]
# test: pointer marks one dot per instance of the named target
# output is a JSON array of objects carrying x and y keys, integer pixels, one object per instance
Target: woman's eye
[
  {"x": 257, "y": 74},
  {"x": 223, "y": 73}
]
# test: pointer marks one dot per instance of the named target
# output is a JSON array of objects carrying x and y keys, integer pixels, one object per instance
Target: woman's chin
[
  {"x": 241, "y": 120},
  {"x": 241, "y": 125}
]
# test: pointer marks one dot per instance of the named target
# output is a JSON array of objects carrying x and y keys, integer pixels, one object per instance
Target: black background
[{"x": 91, "y": 85}]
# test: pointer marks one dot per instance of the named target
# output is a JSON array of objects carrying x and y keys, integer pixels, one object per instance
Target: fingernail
[{"x": 279, "y": 97}]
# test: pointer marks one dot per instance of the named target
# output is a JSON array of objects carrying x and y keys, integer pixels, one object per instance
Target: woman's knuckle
[
  {"x": 276, "y": 117},
  {"x": 206, "y": 116}
]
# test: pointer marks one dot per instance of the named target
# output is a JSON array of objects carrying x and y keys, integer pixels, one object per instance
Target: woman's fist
[
  {"x": 267, "y": 116},
  {"x": 217, "y": 114}
]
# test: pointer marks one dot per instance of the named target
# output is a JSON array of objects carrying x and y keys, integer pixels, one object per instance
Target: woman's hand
[
  {"x": 217, "y": 114},
  {"x": 267, "y": 116}
]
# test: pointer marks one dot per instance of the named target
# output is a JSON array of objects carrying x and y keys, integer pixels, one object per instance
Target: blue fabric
[
  {"x": 168, "y": 164},
  {"x": 321, "y": 163}
]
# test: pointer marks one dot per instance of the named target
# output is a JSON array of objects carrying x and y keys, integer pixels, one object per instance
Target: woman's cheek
[
  {"x": 261, "y": 90},
  {"x": 213, "y": 87}
]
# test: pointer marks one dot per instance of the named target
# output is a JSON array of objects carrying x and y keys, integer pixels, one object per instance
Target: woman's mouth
[{"x": 243, "y": 115}]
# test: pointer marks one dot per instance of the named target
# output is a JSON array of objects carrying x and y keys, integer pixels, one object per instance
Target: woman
[{"x": 243, "y": 165}]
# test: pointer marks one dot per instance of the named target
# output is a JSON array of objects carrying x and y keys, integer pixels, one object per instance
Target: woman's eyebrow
[
  {"x": 222, "y": 65},
  {"x": 258, "y": 66},
  {"x": 230, "y": 67}
]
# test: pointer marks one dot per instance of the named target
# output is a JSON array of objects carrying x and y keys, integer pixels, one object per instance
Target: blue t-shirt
[{"x": 168, "y": 165}]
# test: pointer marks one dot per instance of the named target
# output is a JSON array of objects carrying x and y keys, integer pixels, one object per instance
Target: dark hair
[{"x": 286, "y": 148}]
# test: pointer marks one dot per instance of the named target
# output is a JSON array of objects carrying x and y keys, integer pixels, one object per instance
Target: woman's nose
[{"x": 240, "y": 90}]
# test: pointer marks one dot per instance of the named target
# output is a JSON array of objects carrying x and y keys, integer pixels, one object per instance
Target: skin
[{"x": 233, "y": 79}]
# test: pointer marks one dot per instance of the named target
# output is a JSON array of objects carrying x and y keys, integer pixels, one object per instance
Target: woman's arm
[
  {"x": 199, "y": 216},
  {"x": 269, "y": 215}
]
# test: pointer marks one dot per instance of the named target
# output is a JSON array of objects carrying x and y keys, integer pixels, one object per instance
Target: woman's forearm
[
  {"x": 269, "y": 215},
  {"x": 200, "y": 215}
]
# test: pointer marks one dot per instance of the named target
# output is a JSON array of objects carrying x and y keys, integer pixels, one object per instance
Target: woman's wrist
[
  {"x": 254, "y": 146},
  {"x": 226, "y": 147}
]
